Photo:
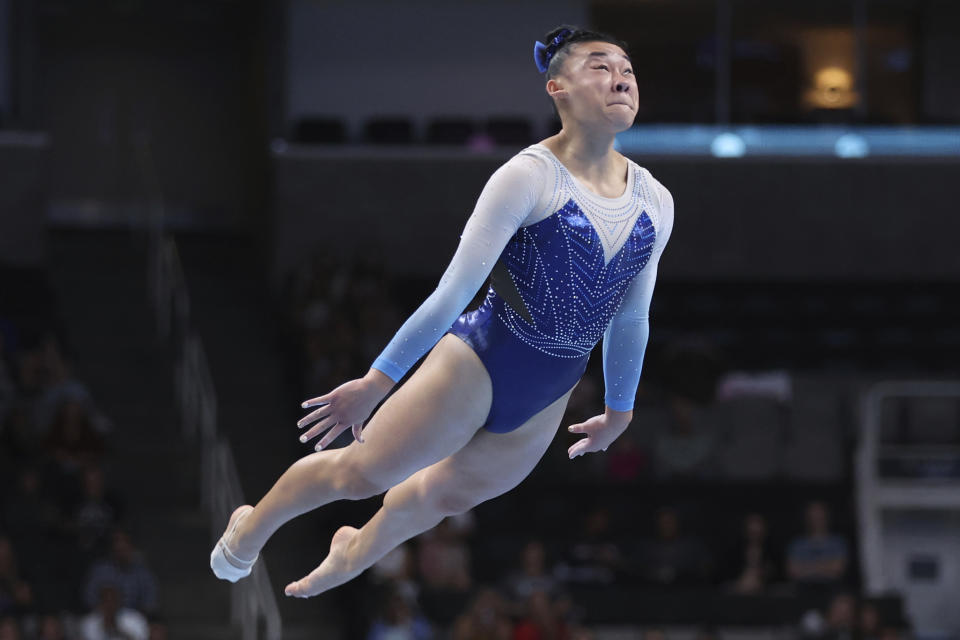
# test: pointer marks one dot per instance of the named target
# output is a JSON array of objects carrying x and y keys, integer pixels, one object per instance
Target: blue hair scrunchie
[{"x": 542, "y": 53}]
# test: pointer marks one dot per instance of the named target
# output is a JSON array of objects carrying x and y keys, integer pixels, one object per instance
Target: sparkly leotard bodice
[
  {"x": 567, "y": 267},
  {"x": 567, "y": 290}
]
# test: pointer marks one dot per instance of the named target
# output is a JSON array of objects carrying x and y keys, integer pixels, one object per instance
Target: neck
[
  {"x": 584, "y": 149},
  {"x": 590, "y": 157}
]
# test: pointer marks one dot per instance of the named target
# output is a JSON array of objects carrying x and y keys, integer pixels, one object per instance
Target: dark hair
[{"x": 576, "y": 35}]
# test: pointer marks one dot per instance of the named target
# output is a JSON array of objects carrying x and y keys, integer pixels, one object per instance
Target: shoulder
[
  {"x": 530, "y": 176},
  {"x": 534, "y": 158},
  {"x": 659, "y": 193},
  {"x": 529, "y": 166},
  {"x": 666, "y": 198},
  {"x": 659, "y": 199}
]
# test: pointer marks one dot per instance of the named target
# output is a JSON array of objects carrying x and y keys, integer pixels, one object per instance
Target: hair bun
[
  {"x": 556, "y": 31},
  {"x": 542, "y": 53},
  {"x": 554, "y": 43}
]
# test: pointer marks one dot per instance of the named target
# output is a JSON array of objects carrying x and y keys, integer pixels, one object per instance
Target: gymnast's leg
[
  {"x": 491, "y": 464},
  {"x": 436, "y": 412}
]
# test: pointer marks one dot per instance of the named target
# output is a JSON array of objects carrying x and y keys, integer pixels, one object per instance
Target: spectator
[
  {"x": 111, "y": 621},
  {"x": 753, "y": 562},
  {"x": 60, "y": 386},
  {"x": 654, "y": 633},
  {"x": 445, "y": 558},
  {"x": 531, "y": 577},
  {"x": 485, "y": 619},
  {"x": 399, "y": 621},
  {"x": 158, "y": 629},
  {"x": 96, "y": 512},
  {"x": 72, "y": 442},
  {"x": 50, "y": 627},
  {"x": 688, "y": 446},
  {"x": 127, "y": 572},
  {"x": 626, "y": 461},
  {"x": 540, "y": 621},
  {"x": 841, "y": 617},
  {"x": 16, "y": 596},
  {"x": 9, "y": 628},
  {"x": 396, "y": 569},
  {"x": 893, "y": 633},
  {"x": 594, "y": 557},
  {"x": 869, "y": 621},
  {"x": 818, "y": 558},
  {"x": 672, "y": 558}
]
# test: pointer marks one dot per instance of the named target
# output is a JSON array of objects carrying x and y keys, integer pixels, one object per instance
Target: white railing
[
  {"x": 876, "y": 494},
  {"x": 252, "y": 600}
]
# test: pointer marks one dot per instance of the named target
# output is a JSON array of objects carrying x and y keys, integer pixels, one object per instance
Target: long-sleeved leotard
[{"x": 567, "y": 267}]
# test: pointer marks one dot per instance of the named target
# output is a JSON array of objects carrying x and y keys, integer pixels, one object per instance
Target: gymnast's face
[{"x": 595, "y": 87}]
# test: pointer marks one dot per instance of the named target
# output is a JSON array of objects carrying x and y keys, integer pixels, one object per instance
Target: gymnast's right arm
[{"x": 505, "y": 202}]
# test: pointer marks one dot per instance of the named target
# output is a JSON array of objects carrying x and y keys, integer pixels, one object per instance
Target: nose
[{"x": 622, "y": 87}]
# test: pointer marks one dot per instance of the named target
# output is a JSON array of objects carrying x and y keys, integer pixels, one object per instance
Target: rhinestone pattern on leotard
[
  {"x": 573, "y": 267},
  {"x": 569, "y": 289}
]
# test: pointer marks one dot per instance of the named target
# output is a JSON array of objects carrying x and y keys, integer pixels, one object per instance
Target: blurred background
[{"x": 211, "y": 210}]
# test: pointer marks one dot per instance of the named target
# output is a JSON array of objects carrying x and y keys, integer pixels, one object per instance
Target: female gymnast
[{"x": 570, "y": 233}]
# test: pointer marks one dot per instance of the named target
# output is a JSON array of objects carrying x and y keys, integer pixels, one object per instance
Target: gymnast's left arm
[{"x": 624, "y": 346}]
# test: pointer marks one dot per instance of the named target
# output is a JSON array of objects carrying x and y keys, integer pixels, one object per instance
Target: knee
[
  {"x": 355, "y": 481},
  {"x": 427, "y": 493},
  {"x": 454, "y": 502},
  {"x": 454, "y": 498},
  {"x": 355, "y": 486}
]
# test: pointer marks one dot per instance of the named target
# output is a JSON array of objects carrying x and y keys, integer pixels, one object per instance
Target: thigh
[
  {"x": 433, "y": 414},
  {"x": 493, "y": 463}
]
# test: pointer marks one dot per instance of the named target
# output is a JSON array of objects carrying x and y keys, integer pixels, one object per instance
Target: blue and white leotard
[{"x": 567, "y": 268}]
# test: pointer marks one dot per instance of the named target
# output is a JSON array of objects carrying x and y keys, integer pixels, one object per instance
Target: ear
[{"x": 555, "y": 89}]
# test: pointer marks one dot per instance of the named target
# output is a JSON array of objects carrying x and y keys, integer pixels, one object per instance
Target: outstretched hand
[
  {"x": 348, "y": 406},
  {"x": 601, "y": 431}
]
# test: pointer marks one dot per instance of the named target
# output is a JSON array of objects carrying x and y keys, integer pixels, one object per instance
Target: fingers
[
  {"x": 322, "y": 412},
  {"x": 318, "y": 428},
  {"x": 577, "y": 428},
  {"x": 580, "y": 447},
  {"x": 316, "y": 402},
  {"x": 335, "y": 431},
  {"x": 358, "y": 432}
]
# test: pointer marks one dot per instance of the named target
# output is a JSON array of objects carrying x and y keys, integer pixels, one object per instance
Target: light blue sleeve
[
  {"x": 625, "y": 339},
  {"x": 509, "y": 196}
]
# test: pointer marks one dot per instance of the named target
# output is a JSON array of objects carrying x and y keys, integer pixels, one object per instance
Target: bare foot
[{"x": 332, "y": 572}]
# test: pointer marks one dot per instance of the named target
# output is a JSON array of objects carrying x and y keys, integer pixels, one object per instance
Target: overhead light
[
  {"x": 728, "y": 145},
  {"x": 832, "y": 89},
  {"x": 851, "y": 145}
]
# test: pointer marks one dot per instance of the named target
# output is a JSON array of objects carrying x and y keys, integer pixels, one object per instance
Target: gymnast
[{"x": 569, "y": 232}]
